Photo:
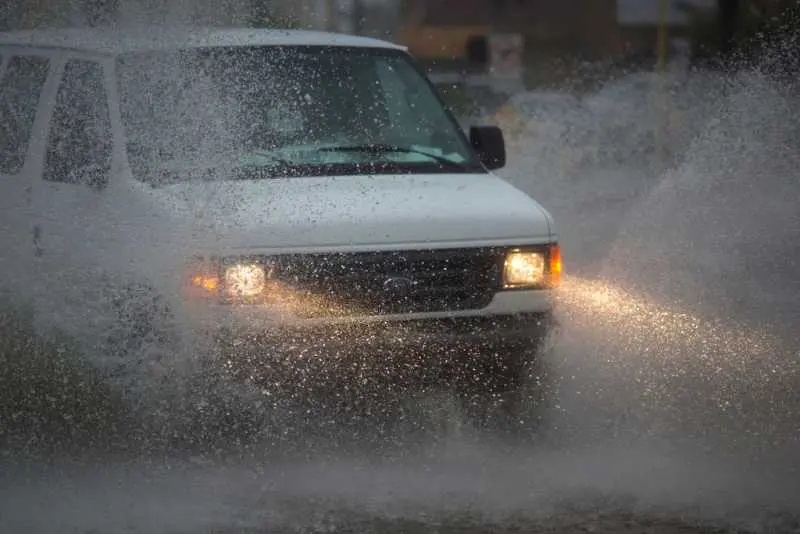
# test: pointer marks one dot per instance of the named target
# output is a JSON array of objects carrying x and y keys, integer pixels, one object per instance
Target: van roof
[{"x": 146, "y": 39}]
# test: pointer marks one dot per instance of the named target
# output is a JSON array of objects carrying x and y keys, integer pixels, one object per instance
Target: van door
[
  {"x": 23, "y": 78},
  {"x": 69, "y": 196}
]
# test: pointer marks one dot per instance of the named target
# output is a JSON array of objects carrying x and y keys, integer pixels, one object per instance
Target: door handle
[{"x": 37, "y": 241}]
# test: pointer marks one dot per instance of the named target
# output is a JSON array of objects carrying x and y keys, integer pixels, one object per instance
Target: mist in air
[{"x": 672, "y": 377}]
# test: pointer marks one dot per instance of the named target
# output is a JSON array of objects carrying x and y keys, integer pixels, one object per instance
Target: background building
[{"x": 561, "y": 39}]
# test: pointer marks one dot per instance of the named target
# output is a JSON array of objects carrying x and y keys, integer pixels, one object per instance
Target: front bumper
[
  {"x": 411, "y": 335},
  {"x": 254, "y": 344},
  {"x": 248, "y": 320},
  {"x": 476, "y": 349}
]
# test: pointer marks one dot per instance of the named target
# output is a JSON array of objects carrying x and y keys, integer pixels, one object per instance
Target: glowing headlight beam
[
  {"x": 245, "y": 280},
  {"x": 647, "y": 323},
  {"x": 523, "y": 269}
]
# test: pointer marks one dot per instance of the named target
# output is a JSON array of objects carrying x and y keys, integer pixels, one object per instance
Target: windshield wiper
[{"x": 394, "y": 149}]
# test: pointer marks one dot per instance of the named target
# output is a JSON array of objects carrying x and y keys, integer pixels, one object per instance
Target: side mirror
[{"x": 490, "y": 145}]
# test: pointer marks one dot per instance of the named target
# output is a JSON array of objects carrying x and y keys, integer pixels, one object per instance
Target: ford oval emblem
[{"x": 398, "y": 285}]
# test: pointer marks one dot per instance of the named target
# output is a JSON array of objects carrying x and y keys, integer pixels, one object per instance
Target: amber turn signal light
[{"x": 555, "y": 267}]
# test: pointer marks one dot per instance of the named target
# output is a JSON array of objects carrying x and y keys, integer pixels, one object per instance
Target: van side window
[
  {"x": 20, "y": 88},
  {"x": 79, "y": 145}
]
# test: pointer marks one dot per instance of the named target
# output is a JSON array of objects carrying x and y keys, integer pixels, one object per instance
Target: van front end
[{"x": 432, "y": 311}]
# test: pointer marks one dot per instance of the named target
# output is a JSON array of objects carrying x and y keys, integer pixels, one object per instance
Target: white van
[{"x": 259, "y": 185}]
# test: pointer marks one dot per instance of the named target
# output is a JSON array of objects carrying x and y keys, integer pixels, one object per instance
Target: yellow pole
[{"x": 662, "y": 111}]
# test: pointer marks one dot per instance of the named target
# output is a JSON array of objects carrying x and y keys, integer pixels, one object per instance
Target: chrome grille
[{"x": 380, "y": 283}]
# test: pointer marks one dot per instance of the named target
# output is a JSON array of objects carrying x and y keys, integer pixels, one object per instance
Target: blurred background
[
  {"x": 535, "y": 42},
  {"x": 538, "y": 43},
  {"x": 512, "y": 62}
]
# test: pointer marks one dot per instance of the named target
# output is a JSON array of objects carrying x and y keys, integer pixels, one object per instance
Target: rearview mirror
[{"x": 490, "y": 145}]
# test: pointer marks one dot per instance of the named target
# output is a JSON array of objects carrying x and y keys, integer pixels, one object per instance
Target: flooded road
[
  {"x": 674, "y": 377},
  {"x": 663, "y": 421}
]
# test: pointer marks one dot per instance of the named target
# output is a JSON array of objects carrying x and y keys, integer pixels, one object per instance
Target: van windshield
[{"x": 270, "y": 111}]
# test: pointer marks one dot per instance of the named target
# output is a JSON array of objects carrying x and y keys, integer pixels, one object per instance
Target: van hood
[{"x": 355, "y": 212}]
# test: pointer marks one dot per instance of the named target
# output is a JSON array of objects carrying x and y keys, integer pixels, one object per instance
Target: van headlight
[
  {"x": 524, "y": 269},
  {"x": 532, "y": 269},
  {"x": 245, "y": 280}
]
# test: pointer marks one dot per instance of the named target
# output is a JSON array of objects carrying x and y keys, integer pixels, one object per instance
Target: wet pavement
[{"x": 674, "y": 405}]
